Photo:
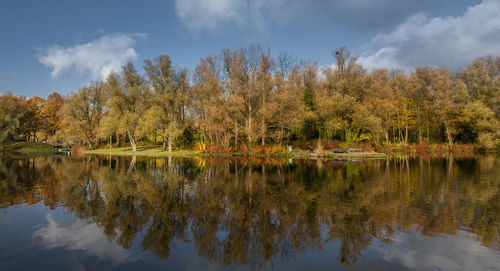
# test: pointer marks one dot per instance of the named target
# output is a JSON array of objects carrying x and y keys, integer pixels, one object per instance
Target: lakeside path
[{"x": 156, "y": 151}]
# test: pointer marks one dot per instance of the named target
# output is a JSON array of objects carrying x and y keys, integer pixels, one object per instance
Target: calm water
[{"x": 96, "y": 213}]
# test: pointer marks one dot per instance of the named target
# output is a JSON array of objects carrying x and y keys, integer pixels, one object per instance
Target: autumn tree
[
  {"x": 161, "y": 115},
  {"x": 110, "y": 124},
  {"x": 241, "y": 68},
  {"x": 130, "y": 104},
  {"x": 242, "y": 97},
  {"x": 444, "y": 103},
  {"x": 290, "y": 109},
  {"x": 52, "y": 122},
  {"x": 266, "y": 92},
  {"x": 405, "y": 117},
  {"x": 10, "y": 113},
  {"x": 81, "y": 115},
  {"x": 381, "y": 101},
  {"x": 348, "y": 76},
  {"x": 310, "y": 96},
  {"x": 208, "y": 97},
  {"x": 483, "y": 122},
  {"x": 482, "y": 78},
  {"x": 32, "y": 120}
]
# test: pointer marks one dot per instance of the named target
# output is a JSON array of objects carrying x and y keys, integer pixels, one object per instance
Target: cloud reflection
[
  {"x": 459, "y": 252},
  {"x": 81, "y": 236}
]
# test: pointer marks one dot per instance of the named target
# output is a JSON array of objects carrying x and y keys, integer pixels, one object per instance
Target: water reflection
[
  {"x": 251, "y": 211},
  {"x": 80, "y": 236}
]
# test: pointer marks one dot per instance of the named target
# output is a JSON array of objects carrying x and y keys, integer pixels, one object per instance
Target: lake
[{"x": 431, "y": 212}]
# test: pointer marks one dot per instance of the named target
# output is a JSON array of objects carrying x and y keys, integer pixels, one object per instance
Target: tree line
[
  {"x": 30, "y": 119},
  {"x": 246, "y": 97}
]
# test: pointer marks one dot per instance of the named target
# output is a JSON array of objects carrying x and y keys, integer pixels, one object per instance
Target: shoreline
[
  {"x": 36, "y": 149},
  {"x": 158, "y": 152},
  {"x": 29, "y": 148}
]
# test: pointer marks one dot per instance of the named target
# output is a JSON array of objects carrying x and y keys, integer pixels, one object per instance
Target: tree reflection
[{"x": 252, "y": 211}]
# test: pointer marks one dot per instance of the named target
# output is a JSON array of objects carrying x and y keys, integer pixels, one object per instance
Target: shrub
[
  {"x": 486, "y": 141},
  {"x": 79, "y": 148}
]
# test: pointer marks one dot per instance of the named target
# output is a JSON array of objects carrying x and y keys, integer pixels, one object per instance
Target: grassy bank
[
  {"x": 299, "y": 150},
  {"x": 29, "y": 148},
  {"x": 156, "y": 151}
]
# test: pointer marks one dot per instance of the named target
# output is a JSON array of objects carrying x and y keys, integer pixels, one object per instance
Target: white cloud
[
  {"x": 97, "y": 58},
  {"x": 441, "y": 41},
  {"x": 211, "y": 15},
  {"x": 258, "y": 16},
  {"x": 207, "y": 14},
  {"x": 82, "y": 236}
]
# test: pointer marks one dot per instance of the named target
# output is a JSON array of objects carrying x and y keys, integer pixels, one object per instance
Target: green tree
[
  {"x": 169, "y": 95},
  {"x": 129, "y": 104}
]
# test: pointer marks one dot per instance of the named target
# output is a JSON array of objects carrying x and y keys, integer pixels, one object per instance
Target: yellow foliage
[{"x": 363, "y": 137}]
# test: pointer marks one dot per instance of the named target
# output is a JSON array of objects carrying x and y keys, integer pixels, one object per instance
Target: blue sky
[{"x": 51, "y": 45}]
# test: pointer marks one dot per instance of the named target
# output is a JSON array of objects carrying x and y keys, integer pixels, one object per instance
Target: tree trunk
[
  {"x": 235, "y": 136},
  {"x": 263, "y": 124},
  {"x": 419, "y": 127},
  {"x": 250, "y": 127},
  {"x": 282, "y": 128},
  {"x": 132, "y": 142},
  {"x": 170, "y": 139},
  {"x": 428, "y": 134},
  {"x": 394, "y": 133},
  {"x": 406, "y": 129},
  {"x": 263, "y": 134},
  {"x": 217, "y": 139},
  {"x": 400, "y": 125},
  {"x": 164, "y": 139},
  {"x": 448, "y": 134},
  {"x": 110, "y": 142},
  {"x": 281, "y": 133}
]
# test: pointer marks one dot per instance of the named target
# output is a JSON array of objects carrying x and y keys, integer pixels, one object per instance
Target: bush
[
  {"x": 486, "y": 141},
  {"x": 79, "y": 148}
]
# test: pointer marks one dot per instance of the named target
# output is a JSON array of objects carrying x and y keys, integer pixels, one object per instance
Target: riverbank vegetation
[
  {"x": 157, "y": 151},
  {"x": 247, "y": 101},
  {"x": 29, "y": 148}
]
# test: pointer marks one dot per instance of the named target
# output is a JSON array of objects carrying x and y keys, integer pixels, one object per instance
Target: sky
[{"x": 60, "y": 45}]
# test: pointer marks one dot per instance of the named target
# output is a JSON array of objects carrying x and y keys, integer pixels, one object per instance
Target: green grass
[
  {"x": 156, "y": 151},
  {"x": 29, "y": 148}
]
